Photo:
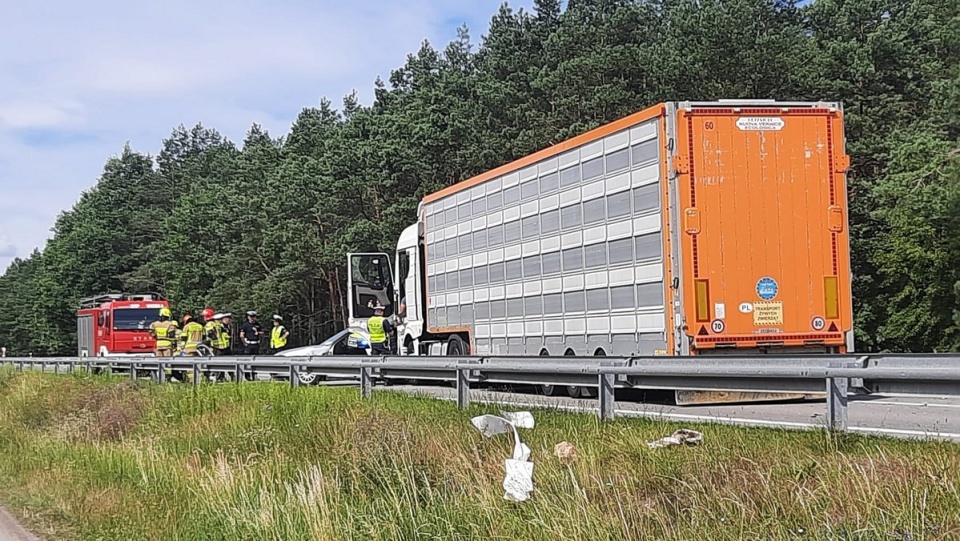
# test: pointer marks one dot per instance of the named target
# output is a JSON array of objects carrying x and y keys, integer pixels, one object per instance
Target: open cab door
[{"x": 370, "y": 281}]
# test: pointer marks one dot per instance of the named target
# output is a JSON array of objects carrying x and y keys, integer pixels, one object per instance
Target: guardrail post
[
  {"x": 837, "y": 401},
  {"x": 56, "y": 368},
  {"x": 196, "y": 375},
  {"x": 161, "y": 373},
  {"x": 606, "y": 385},
  {"x": 463, "y": 387},
  {"x": 133, "y": 372},
  {"x": 238, "y": 373},
  {"x": 43, "y": 366},
  {"x": 366, "y": 381},
  {"x": 294, "y": 378}
]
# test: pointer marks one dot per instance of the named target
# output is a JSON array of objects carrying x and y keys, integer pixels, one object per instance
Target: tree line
[{"x": 266, "y": 225}]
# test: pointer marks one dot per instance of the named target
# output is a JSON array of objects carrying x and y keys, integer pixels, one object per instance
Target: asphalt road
[
  {"x": 905, "y": 417},
  {"x": 11, "y": 530}
]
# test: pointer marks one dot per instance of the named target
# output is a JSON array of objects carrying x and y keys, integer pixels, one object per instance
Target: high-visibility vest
[
  {"x": 166, "y": 332},
  {"x": 224, "y": 337},
  {"x": 214, "y": 328},
  {"x": 375, "y": 326},
  {"x": 193, "y": 336},
  {"x": 277, "y": 340}
]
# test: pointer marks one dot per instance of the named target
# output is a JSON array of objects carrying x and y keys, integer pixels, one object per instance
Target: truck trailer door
[
  {"x": 369, "y": 281},
  {"x": 763, "y": 227}
]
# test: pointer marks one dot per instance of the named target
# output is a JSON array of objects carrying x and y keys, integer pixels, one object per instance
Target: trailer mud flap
[{"x": 699, "y": 398}]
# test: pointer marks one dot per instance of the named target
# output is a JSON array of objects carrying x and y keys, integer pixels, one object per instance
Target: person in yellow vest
[
  {"x": 191, "y": 336},
  {"x": 164, "y": 332},
  {"x": 279, "y": 335},
  {"x": 212, "y": 330},
  {"x": 225, "y": 333},
  {"x": 379, "y": 327}
]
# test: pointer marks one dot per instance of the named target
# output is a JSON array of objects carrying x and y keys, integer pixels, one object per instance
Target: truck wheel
[
  {"x": 456, "y": 346},
  {"x": 547, "y": 390}
]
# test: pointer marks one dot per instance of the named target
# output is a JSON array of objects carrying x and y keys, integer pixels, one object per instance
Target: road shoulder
[{"x": 11, "y": 530}]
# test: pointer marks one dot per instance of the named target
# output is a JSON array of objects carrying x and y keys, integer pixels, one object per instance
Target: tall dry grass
[{"x": 91, "y": 458}]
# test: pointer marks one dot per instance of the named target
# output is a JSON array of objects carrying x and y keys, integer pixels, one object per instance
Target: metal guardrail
[{"x": 833, "y": 375}]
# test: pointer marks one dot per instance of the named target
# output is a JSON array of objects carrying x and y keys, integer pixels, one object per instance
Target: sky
[{"x": 78, "y": 80}]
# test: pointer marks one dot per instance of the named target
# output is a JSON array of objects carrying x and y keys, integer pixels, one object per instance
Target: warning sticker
[
  {"x": 760, "y": 123},
  {"x": 768, "y": 313}
]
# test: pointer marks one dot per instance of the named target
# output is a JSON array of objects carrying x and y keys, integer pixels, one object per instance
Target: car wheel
[{"x": 307, "y": 378}]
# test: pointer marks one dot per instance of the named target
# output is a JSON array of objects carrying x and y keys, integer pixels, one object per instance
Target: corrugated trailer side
[
  {"x": 760, "y": 235},
  {"x": 560, "y": 252}
]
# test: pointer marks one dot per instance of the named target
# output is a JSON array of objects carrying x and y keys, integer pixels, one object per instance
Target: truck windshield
[{"x": 132, "y": 319}]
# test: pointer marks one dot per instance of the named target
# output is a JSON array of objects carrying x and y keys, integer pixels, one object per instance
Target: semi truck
[
  {"x": 685, "y": 229},
  {"x": 117, "y": 324}
]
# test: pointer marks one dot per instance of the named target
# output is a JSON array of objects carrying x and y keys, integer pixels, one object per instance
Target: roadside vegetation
[{"x": 84, "y": 457}]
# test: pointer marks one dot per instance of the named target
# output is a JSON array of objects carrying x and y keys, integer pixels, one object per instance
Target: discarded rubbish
[
  {"x": 565, "y": 451},
  {"x": 684, "y": 436},
  {"x": 518, "y": 478}
]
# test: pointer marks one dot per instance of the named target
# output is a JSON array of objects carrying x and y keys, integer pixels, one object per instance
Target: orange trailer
[
  {"x": 759, "y": 232},
  {"x": 688, "y": 228}
]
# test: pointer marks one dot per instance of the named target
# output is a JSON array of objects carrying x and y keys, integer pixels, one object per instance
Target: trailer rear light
[
  {"x": 831, "y": 297},
  {"x": 703, "y": 300}
]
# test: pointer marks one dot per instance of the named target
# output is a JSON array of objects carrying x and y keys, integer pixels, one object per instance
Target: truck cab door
[{"x": 369, "y": 281}]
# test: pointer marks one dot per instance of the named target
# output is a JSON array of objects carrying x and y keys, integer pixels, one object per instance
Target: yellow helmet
[{"x": 164, "y": 312}]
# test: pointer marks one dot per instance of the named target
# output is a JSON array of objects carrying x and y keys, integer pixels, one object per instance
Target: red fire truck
[{"x": 117, "y": 324}]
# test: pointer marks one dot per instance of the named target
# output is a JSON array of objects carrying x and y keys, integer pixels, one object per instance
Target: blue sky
[{"x": 80, "y": 79}]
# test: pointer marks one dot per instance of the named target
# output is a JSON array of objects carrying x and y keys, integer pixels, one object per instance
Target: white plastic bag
[{"x": 518, "y": 478}]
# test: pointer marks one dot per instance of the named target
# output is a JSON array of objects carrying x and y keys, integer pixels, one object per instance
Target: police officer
[
  {"x": 250, "y": 333},
  {"x": 379, "y": 328},
  {"x": 225, "y": 333},
  {"x": 279, "y": 335}
]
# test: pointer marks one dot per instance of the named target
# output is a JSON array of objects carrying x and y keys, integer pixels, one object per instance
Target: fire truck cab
[{"x": 117, "y": 324}]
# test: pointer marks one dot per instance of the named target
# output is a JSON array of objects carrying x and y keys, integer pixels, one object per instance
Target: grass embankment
[{"x": 89, "y": 458}]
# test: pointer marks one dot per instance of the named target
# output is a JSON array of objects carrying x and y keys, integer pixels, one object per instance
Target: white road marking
[{"x": 918, "y": 404}]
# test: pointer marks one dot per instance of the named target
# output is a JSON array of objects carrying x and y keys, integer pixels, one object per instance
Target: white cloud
[
  {"x": 78, "y": 80},
  {"x": 34, "y": 114}
]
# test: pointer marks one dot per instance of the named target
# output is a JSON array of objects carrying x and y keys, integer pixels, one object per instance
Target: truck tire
[
  {"x": 456, "y": 346},
  {"x": 547, "y": 390}
]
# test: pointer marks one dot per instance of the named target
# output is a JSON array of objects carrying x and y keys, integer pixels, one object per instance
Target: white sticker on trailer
[
  {"x": 720, "y": 310},
  {"x": 760, "y": 123}
]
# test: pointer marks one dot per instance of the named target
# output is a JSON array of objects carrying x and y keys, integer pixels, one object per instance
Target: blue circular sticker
[{"x": 767, "y": 288}]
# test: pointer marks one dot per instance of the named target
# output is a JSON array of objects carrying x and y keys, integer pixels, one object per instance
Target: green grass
[{"x": 90, "y": 458}]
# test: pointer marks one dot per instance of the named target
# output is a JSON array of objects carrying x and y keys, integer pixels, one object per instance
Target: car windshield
[
  {"x": 132, "y": 319},
  {"x": 342, "y": 334},
  {"x": 332, "y": 339}
]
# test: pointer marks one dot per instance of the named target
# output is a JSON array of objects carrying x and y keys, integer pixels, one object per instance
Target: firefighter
[
  {"x": 211, "y": 330},
  {"x": 279, "y": 335},
  {"x": 379, "y": 328},
  {"x": 191, "y": 336},
  {"x": 165, "y": 333}
]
